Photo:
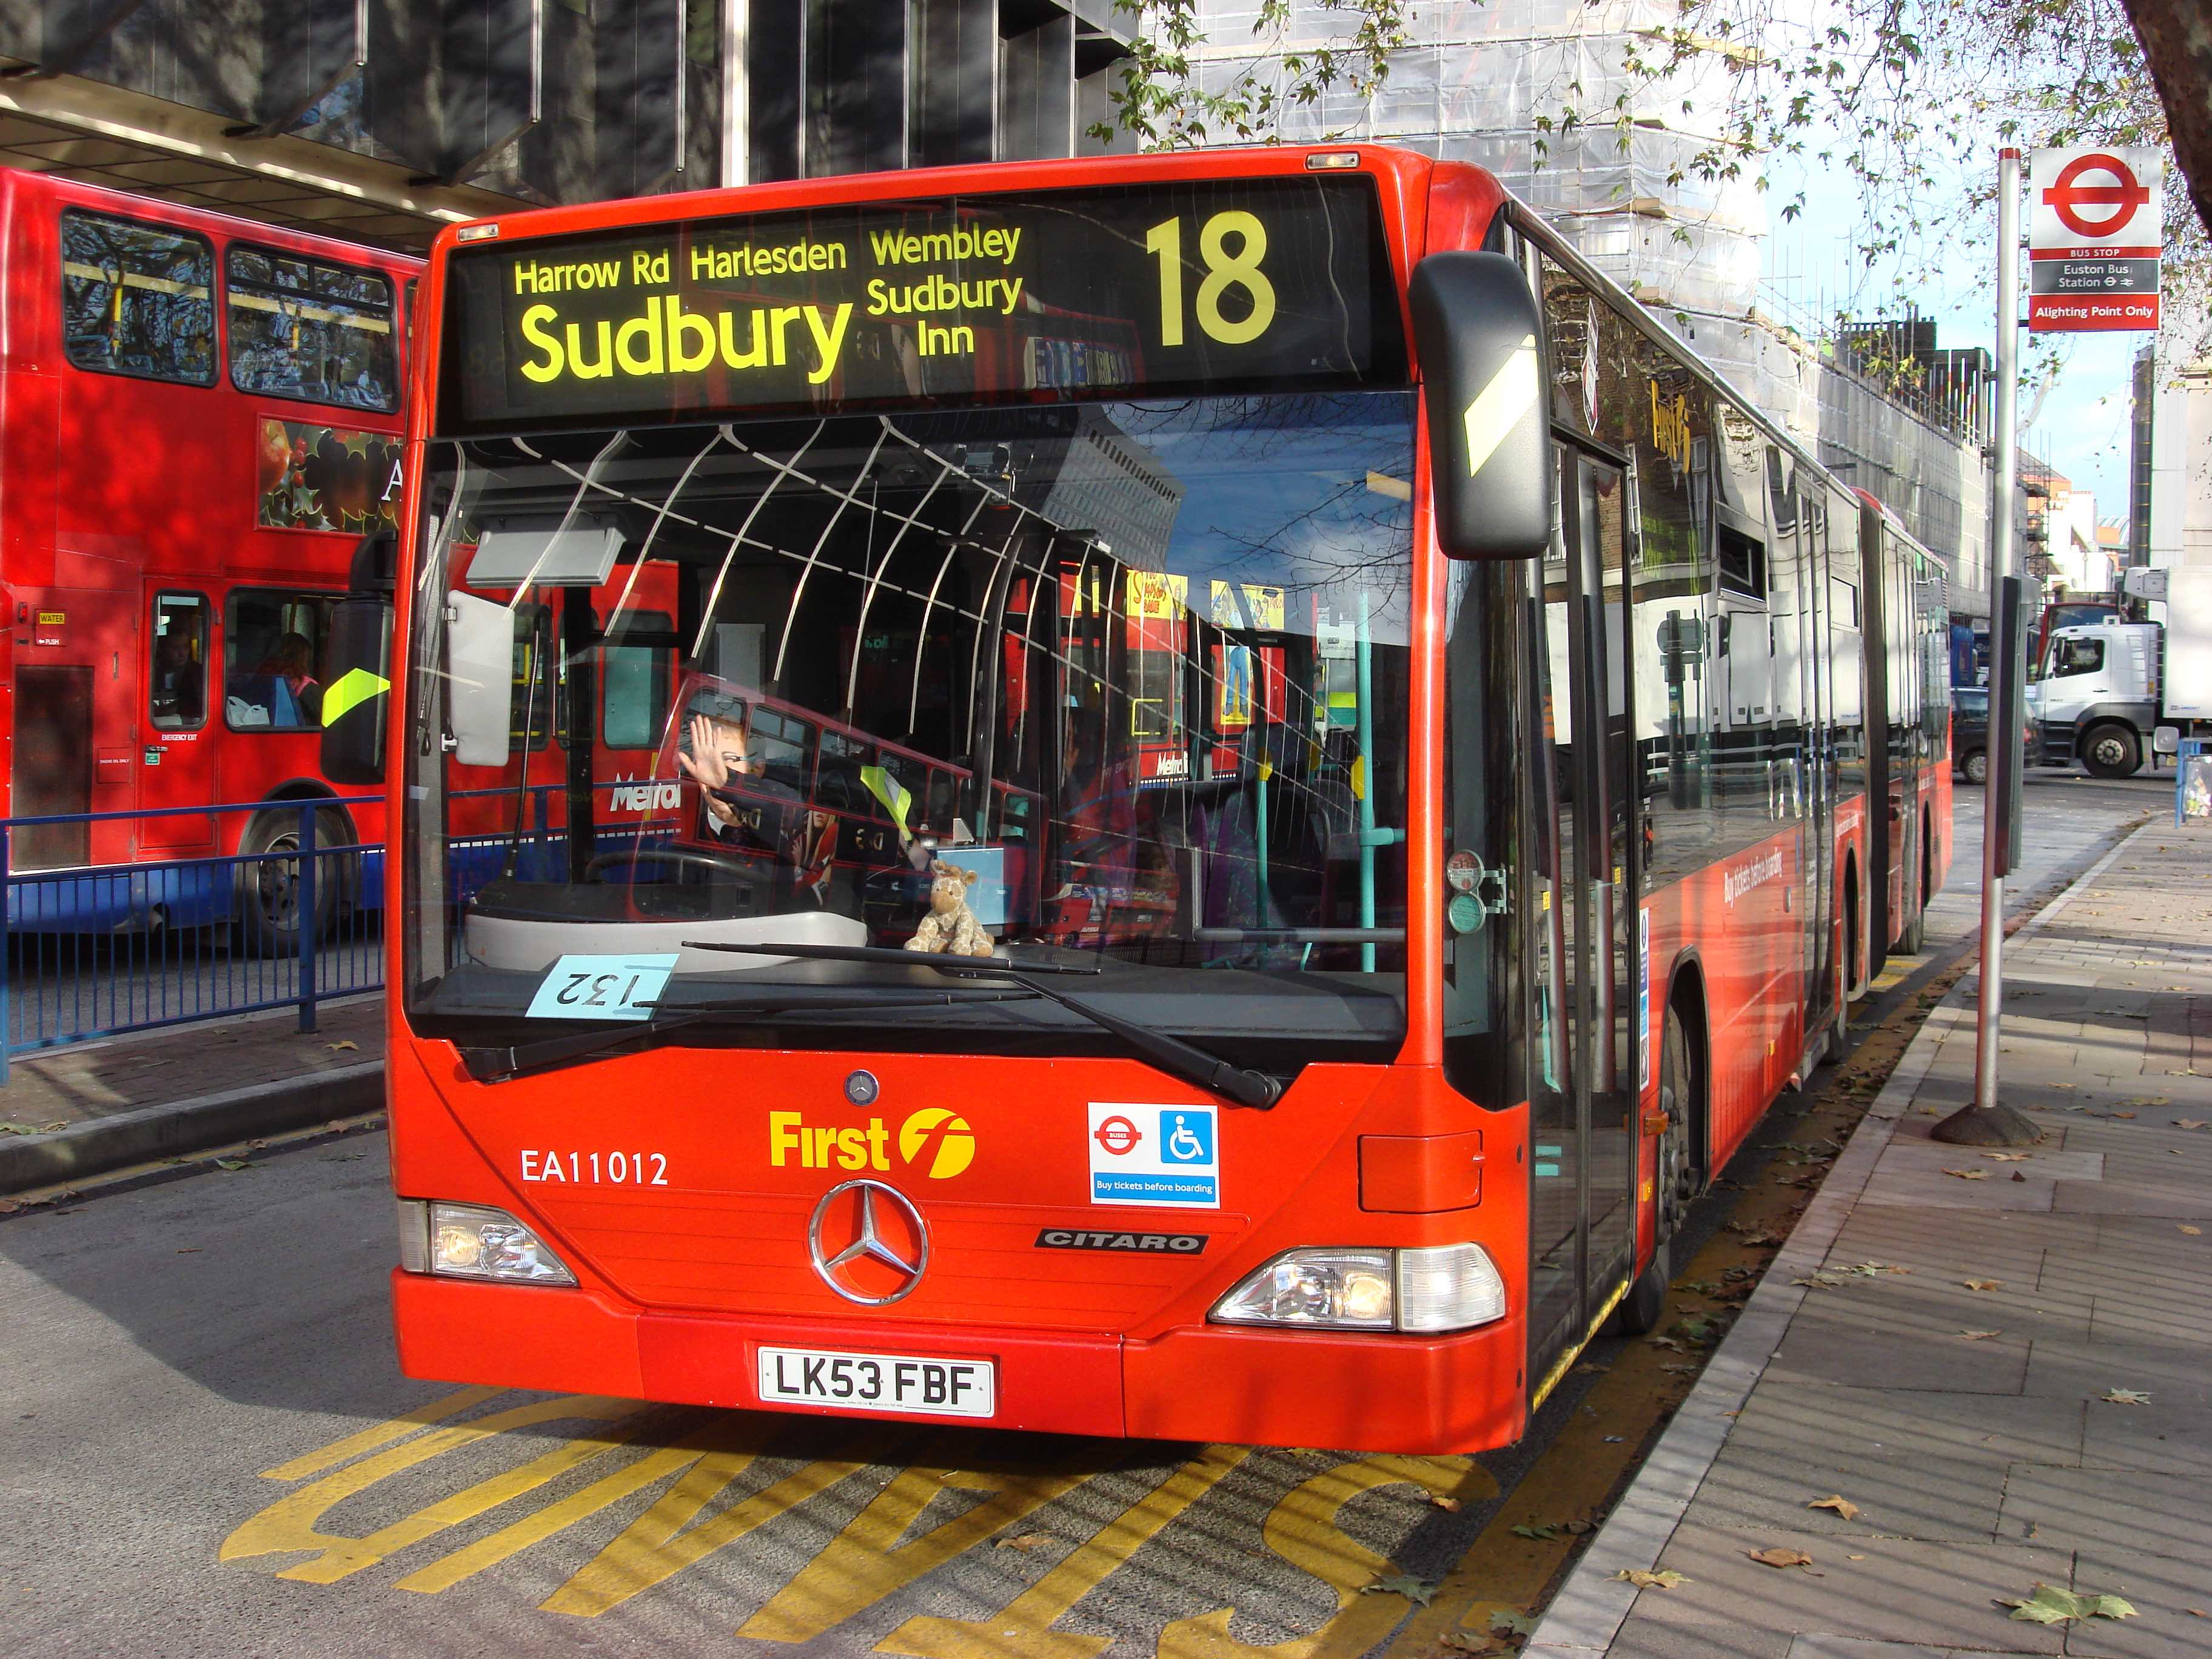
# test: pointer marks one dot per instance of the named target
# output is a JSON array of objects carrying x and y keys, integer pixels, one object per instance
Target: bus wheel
[
  {"x": 267, "y": 888},
  {"x": 2110, "y": 751},
  {"x": 1673, "y": 1182}
]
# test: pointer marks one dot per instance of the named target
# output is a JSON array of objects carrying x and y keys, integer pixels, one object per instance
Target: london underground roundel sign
[{"x": 2094, "y": 218}]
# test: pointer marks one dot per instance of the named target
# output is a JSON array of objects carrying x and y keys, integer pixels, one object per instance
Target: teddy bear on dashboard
[{"x": 951, "y": 927}]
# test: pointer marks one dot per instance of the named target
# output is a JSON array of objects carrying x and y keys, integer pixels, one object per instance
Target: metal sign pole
[{"x": 1985, "y": 1123}]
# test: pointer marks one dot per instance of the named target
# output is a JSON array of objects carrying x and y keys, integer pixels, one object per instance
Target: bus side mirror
[
  {"x": 357, "y": 690},
  {"x": 357, "y": 665},
  {"x": 1479, "y": 337}
]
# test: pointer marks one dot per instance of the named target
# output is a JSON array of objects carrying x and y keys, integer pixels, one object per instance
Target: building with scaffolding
[{"x": 1492, "y": 84}]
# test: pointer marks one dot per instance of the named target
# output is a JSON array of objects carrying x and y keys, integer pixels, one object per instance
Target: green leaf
[
  {"x": 1546, "y": 1532},
  {"x": 1506, "y": 1622},
  {"x": 232, "y": 1163},
  {"x": 2047, "y": 1604},
  {"x": 1420, "y": 1591}
]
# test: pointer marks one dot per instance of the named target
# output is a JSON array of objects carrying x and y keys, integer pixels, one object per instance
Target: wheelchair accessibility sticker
[{"x": 1155, "y": 1155}]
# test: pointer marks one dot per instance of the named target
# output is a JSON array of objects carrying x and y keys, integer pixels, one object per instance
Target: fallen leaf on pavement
[
  {"x": 1506, "y": 1622},
  {"x": 190, "y": 1249},
  {"x": 2128, "y": 1114},
  {"x": 1418, "y": 1591},
  {"x": 2194, "y": 1232},
  {"x": 16, "y": 1129},
  {"x": 1024, "y": 1541},
  {"x": 344, "y": 1043},
  {"x": 2189, "y": 1123},
  {"x": 1842, "y": 1506},
  {"x": 1778, "y": 1556},
  {"x": 1643, "y": 1580},
  {"x": 1463, "y": 1641},
  {"x": 1983, "y": 1284},
  {"x": 232, "y": 1163},
  {"x": 1969, "y": 1175},
  {"x": 2125, "y": 1397},
  {"x": 2009, "y": 1157},
  {"x": 1448, "y": 1505},
  {"x": 2047, "y": 1604},
  {"x": 1978, "y": 1336}
]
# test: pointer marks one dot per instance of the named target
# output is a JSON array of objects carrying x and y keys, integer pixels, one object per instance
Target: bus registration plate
[{"x": 879, "y": 1382}]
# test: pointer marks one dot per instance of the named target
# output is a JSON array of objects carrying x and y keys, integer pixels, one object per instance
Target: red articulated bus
[
  {"x": 1429, "y": 761},
  {"x": 199, "y": 418}
]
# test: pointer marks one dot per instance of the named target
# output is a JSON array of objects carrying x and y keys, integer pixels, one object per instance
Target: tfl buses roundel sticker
[{"x": 1154, "y": 1155}]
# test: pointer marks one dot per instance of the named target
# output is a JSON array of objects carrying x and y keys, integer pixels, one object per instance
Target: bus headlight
[
  {"x": 1445, "y": 1287},
  {"x": 1449, "y": 1287},
  {"x": 1343, "y": 1290},
  {"x": 473, "y": 1240}
]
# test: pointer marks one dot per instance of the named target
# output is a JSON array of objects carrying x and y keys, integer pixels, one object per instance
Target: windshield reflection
[{"x": 1122, "y": 679}]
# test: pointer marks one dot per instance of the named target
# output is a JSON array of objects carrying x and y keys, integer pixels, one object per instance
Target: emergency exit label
[{"x": 1154, "y": 1155}]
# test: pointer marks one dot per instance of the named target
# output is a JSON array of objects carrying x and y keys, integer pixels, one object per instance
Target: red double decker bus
[
  {"x": 199, "y": 418},
  {"x": 1428, "y": 761}
]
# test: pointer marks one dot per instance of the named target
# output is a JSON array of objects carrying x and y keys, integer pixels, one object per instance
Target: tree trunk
[{"x": 2177, "y": 42}]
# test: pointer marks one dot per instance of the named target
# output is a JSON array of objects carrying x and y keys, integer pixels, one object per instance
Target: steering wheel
[{"x": 723, "y": 862}]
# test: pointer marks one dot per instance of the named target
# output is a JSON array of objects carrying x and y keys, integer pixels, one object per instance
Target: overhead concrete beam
[{"x": 97, "y": 109}]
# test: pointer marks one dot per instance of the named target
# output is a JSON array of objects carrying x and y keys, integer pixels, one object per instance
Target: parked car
[{"x": 1970, "y": 732}]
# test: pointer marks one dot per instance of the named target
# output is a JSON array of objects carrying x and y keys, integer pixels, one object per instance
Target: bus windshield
[{"x": 1120, "y": 686}]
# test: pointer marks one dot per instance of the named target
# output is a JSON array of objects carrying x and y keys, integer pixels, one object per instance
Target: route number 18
[{"x": 1222, "y": 272}]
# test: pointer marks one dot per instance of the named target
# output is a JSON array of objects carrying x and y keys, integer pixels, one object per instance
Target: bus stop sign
[{"x": 2094, "y": 239}]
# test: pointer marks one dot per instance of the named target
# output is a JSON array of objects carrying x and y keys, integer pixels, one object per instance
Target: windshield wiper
[
  {"x": 1171, "y": 1055},
  {"x": 499, "y": 1064}
]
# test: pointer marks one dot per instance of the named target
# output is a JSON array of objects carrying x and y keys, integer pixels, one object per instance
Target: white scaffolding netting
[{"x": 1487, "y": 81}]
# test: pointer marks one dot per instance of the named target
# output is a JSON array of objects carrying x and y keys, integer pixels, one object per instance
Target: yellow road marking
[
  {"x": 289, "y": 1523},
  {"x": 655, "y": 1547},
  {"x": 382, "y": 1434},
  {"x": 1023, "y": 1628},
  {"x": 1302, "y": 1530},
  {"x": 866, "y": 1562}
]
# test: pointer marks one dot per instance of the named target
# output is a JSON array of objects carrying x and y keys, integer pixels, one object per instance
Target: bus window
[
  {"x": 780, "y": 749},
  {"x": 839, "y": 787},
  {"x": 176, "y": 687},
  {"x": 272, "y": 642},
  {"x": 301, "y": 328},
  {"x": 539, "y": 668},
  {"x": 137, "y": 299},
  {"x": 634, "y": 685}
]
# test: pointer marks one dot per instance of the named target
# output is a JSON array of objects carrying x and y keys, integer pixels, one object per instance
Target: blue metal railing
[{"x": 96, "y": 951}]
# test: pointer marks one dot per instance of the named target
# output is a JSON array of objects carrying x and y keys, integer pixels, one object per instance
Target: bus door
[
  {"x": 1582, "y": 1119},
  {"x": 178, "y": 766},
  {"x": 1801, "y": 781}
]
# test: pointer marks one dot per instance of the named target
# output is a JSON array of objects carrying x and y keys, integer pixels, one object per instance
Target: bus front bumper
[{"x": 1339, "y": 1389}]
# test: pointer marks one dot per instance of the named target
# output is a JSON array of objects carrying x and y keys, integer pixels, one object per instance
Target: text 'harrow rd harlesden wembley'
[{"x": 1185, "y": 796}]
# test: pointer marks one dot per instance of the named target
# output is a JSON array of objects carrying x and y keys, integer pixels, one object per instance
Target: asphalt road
[{"x": 206, "y": 1449}]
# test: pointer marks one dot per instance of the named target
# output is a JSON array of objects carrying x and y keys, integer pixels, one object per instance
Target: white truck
[{"x": 2109, "y": 693}]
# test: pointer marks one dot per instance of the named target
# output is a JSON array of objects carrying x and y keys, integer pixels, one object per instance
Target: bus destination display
[{"x": 1166, "y": 290}]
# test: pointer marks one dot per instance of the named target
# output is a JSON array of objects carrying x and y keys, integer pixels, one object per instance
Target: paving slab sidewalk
[
  {"x": 1962, "y": 1393},
  {"x": 69, "y": 1113}
]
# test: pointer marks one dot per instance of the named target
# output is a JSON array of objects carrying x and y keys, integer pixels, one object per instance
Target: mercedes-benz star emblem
[{"x": 883, "y": 1246}]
